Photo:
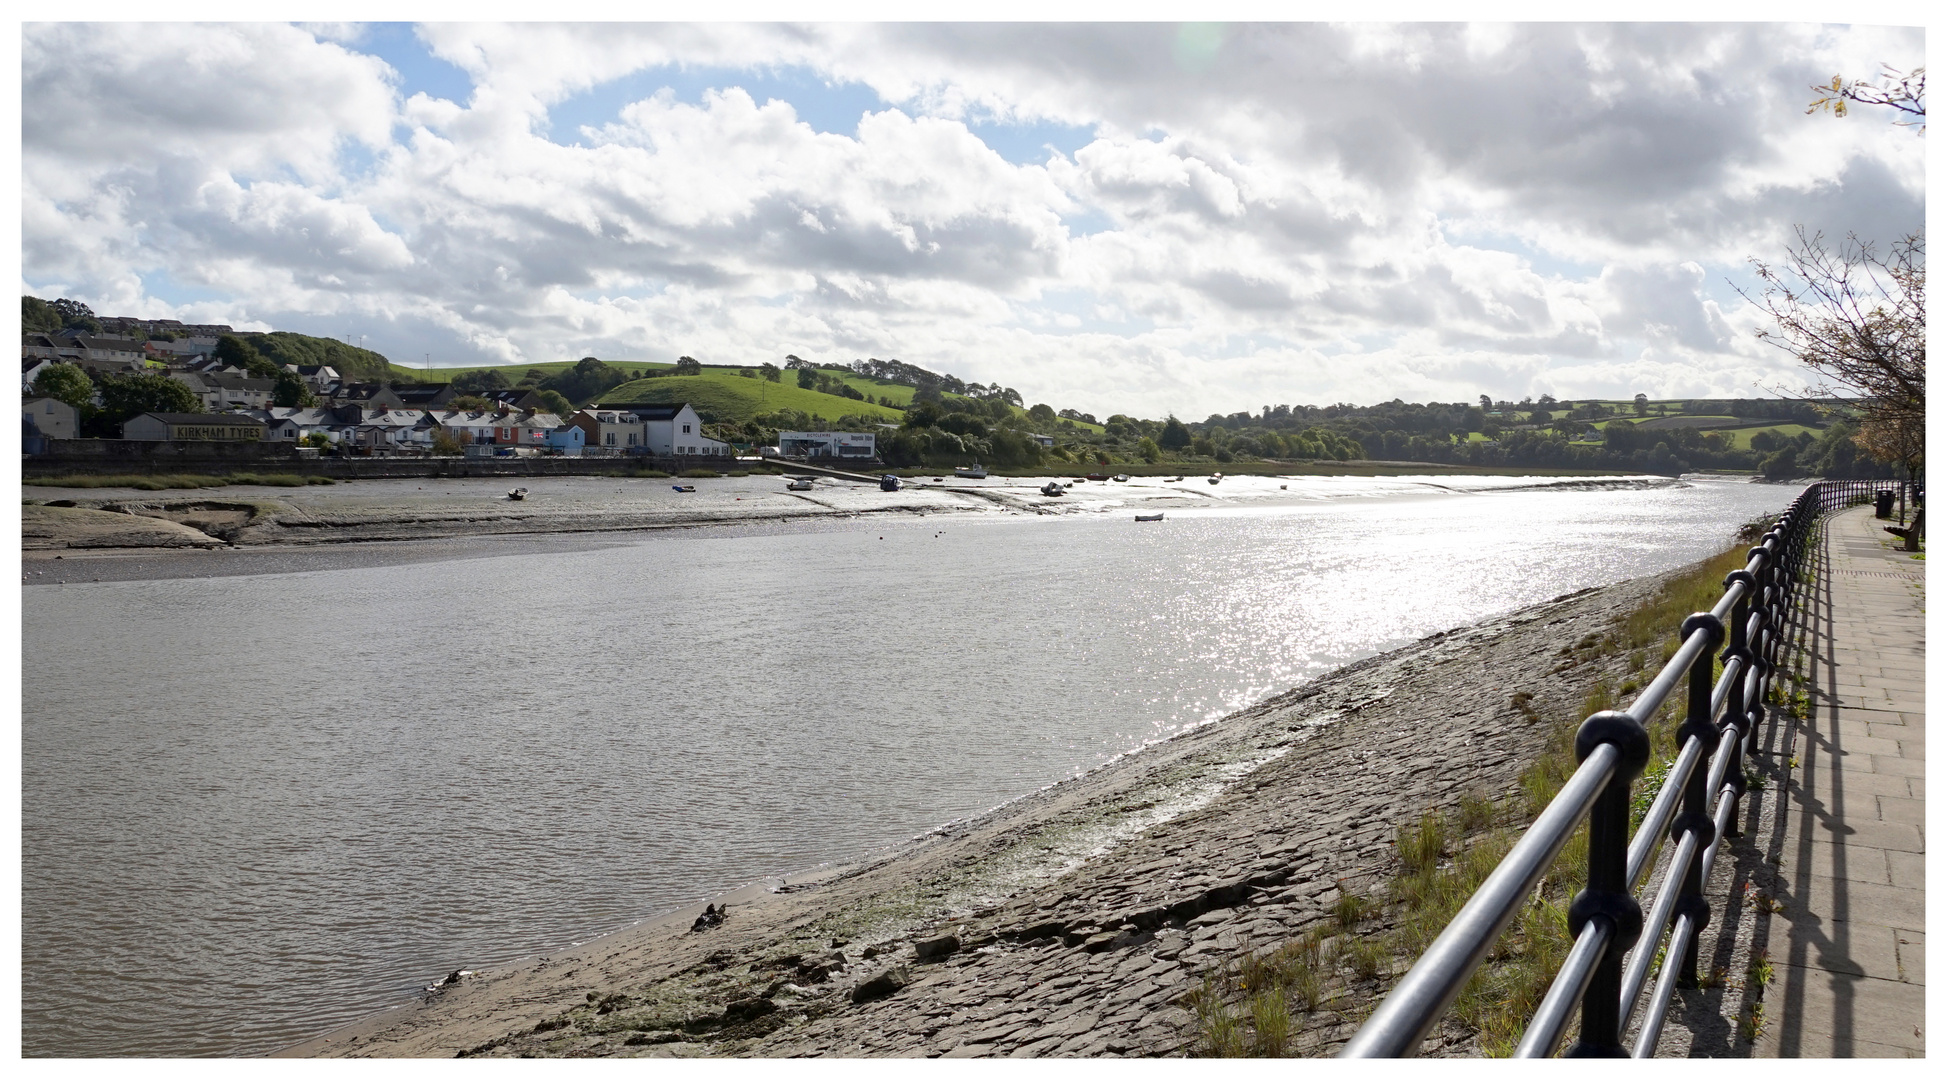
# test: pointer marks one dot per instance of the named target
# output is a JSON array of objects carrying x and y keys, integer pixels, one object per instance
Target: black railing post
[
  {"x": 1695, "y": 817},
  {"x": 1607, "y": 895},
  {"x": 1737, "y": 718}
]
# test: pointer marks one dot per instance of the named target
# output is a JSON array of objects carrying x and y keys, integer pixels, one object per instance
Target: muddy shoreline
[
  {"x": 125, "y": 534},
  {"x": 1070, "y": 922}
]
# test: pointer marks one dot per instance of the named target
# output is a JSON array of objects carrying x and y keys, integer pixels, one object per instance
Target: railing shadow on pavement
[{"x": 1608, "y": 968}]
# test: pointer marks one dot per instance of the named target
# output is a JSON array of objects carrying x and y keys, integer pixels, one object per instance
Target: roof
[
  {"x": 231, "y": 419},
  {"x": 647, "y": 412},
  {"x": 108, "y": 344}
]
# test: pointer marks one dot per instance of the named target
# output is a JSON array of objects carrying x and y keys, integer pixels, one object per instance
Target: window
[
  {"x": 631, "y": 440},
  {"x": 686, "y": 429},
  {"x": 609, "y": 438}
]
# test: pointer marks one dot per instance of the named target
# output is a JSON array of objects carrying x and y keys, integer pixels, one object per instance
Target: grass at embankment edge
[{"x": 1252, "y": 1007}]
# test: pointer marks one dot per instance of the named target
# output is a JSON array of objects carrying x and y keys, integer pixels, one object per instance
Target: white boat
[
  {"x": 1052, "y": 489},
  {"x": 1120, "y": 478},
  {"x": 1216, "y": 478},
  {"x": 976, "y": 471},
  {"x": 798, "y": 485}
]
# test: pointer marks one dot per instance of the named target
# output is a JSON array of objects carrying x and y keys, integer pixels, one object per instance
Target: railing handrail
[{"x": 1749, "y": 620}]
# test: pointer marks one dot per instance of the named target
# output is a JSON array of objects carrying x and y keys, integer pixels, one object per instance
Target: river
[{"x": 256, "y": 807}]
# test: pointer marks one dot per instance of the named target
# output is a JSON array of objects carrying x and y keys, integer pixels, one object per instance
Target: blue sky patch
[
  {"x": 419, "y": 70},
  {"x": 828, "y": 108},
  {"x": 1031, "y": 144},
  {"x": 1541, "y": 262},
  {"x": 1087, "y": 223}
]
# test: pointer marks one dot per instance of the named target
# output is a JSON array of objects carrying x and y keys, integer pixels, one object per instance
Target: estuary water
[{"x": 258, "y": 807}]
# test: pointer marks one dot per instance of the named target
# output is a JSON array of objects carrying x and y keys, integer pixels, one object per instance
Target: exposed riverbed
[{"x": 262, "y": 800}]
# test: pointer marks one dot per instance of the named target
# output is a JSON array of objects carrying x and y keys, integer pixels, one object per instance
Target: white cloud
[{"x": 1295, "y": 212}]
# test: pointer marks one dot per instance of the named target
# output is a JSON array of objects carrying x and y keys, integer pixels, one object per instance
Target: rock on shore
[{"x": 1074, "y": 921}]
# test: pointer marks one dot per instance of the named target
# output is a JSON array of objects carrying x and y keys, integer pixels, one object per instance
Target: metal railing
[{"x": 1605, "y": 970}]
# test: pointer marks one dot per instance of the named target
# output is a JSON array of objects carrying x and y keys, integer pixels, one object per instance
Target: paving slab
[{"x": 1845, "y": 930}]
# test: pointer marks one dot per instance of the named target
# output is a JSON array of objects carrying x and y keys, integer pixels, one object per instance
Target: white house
[
  {"x": 467, "y": 426},
  {"x": 31, "y": 368},
  {"x": 394, "y": 429},
  {"x": 838, "y": 444},
  {"x": 674, "y": 431},
  {"x": 291, "y": 424},
  {"x": 614, "y": 430},
  {"x": 227, "y": 389}
]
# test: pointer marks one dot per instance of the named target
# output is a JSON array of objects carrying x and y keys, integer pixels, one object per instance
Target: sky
[{"x": 1150, "y": 218}]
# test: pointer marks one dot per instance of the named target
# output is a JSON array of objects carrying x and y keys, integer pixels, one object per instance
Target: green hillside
[
  {"x": 284, "y": 347},
  {"x": 1741, "y": 437},
  {"x": 729, "y": 396},
  {"x": 726, "y": 396}
]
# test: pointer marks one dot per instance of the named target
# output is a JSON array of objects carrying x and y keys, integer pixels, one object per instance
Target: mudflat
[{"x": 1072, "y": 922}]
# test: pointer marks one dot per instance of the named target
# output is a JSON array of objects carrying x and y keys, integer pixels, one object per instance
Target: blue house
[{"x": 568, "y": 439}]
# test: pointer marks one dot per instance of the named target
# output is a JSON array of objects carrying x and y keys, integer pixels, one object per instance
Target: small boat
[
  {"x": 683, "y": 487},
  {"x": 1098, "y": 477},
  {"x": 1216, "y": 478},
  {"x": 1174, "y": 480},
  {"x": 1149, "y": 517},
  {"x": 888, "y": 482},
  {"x": 1052, "y": 489},
  {"x": 976, "y": 471},
  {"x": 939, "y": 479},
  {"x": 1120, "y": 478},
  {"x": 517, "y": 494},
  {"x": 798, "y": 485}
]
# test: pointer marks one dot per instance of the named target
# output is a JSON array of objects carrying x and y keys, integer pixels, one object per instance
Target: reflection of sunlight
[{"x": 735, "y": 704}]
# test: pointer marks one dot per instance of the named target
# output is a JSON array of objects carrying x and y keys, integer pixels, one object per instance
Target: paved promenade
[{"x": 1849, "y": 947}]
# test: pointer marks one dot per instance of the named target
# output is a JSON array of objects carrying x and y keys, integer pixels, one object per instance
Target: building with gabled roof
[{"x": 673, "y": 430}]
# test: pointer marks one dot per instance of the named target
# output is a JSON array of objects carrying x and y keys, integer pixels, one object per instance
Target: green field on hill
[
  {"x": 1742, "y": 436},
  {"x": 726, "y": 396}
]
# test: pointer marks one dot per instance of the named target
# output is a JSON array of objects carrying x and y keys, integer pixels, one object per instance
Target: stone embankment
[{"x": 1073, "y": 922}]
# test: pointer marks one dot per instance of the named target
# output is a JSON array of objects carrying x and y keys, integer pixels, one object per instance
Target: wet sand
[
  {"x": 128, "y": 534},
  {"x": 1071, "y": 922}
]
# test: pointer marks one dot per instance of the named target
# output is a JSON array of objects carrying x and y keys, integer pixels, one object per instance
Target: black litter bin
[{"x": 1883, "y": 503}]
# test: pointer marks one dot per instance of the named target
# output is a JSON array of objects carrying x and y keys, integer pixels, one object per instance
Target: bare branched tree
[
  {"x": 1905, "y": 93},
  {"x": 1856, "y": 319}
]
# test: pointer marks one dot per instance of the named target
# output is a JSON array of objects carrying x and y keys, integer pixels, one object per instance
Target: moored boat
[
  {"x": 888, "y": 482},
  {"x": 1098, "y": 477},
  {"x": 517, "y": 494},
  {"x": 683, "y": 487},
  {"x": 1216, "y": 478},
  {"x": 1120, "y": 478},
  {"x": 798, "y": 485},
  {"x": 976, "y": 471},
  {"x": 1053, "y": 489},
  {"x": 1149, "y": 517}
]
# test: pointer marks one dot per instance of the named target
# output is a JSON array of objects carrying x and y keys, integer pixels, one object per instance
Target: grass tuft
[{"x": 1420, "y": 846}]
